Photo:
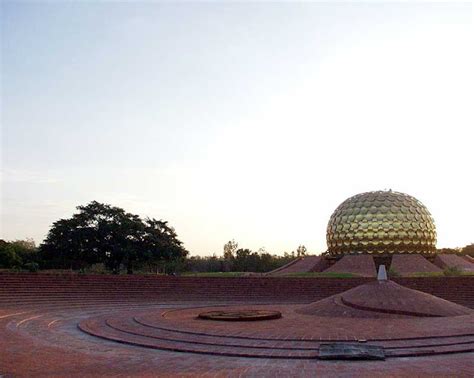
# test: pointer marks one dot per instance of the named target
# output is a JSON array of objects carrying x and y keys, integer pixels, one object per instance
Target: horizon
[{"x": 249, "y": 122}]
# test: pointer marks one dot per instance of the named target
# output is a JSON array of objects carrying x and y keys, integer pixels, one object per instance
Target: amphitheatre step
[
  {"x": 431, "y": 350},
  {"x": 99, "y": 328},
  {"x": 123, "y": 328},
  {"x": 128, "y": 325},
  {"x": 33, "y": 287}
]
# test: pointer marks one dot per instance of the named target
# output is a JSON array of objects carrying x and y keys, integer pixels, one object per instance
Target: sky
[{"x": 244, "y": 121}]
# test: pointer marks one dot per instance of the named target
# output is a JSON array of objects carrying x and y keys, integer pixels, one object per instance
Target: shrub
[
  {"x": 97, "y": 269},
  {"x": 452, "y": 271},
  {"x": 393, "y": 273},
  {"x": 32, "y": 267}
]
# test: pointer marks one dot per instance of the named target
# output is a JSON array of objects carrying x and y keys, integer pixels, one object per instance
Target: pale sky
[{"x": 245, "y": 121}]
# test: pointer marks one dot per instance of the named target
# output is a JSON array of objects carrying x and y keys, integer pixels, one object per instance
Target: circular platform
[
  {"x": 293, "y": 336},
  {"x": 240, "y": 316},
  {"x": 405, "y": 322}
]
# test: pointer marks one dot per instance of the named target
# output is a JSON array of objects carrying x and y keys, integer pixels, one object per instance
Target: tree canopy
[
  {"x": 235, "y": 259},
  {"x": 101, "y": 233},
  {"x": 18, "y": 254}
]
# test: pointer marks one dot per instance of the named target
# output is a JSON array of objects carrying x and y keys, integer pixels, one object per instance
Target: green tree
[
  {"x": 229, "y": 249},
  {"x": 451, "y": 251},
  {"x": 468, "y": 250},
  {"x": 161, "y": 246},
  {"x": 101, "y": 233},
  {"x": 17, "y": 254},
  {"x": 301, "y": 251},
  {"x": 244, "y": 260},
  {"x": 8, "y": 256}
]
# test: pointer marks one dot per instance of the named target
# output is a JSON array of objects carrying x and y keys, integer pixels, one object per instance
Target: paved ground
[
  {"x": 48, "y": 342},
  {"x": 113, "y": 326}
]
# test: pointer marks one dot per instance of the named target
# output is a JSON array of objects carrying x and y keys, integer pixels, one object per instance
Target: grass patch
[
  {"x": 392, "y": 273},
  {"x": 425, "y": 274},
  {"x": 442, "y": 274},
  {"x": 213, "y": 274},
  {"x": 452, "y": 271},
  {"x": 322, "y": 275}
]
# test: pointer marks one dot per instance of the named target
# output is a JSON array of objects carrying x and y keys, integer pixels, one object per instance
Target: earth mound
[
  {"x": 410, "y": 264},
  {"x": 301, "y": 265},
  {"x": 384, "y": 299},
  {"x": 362, "y": 265},
  {"x": 453, "y": 261}
]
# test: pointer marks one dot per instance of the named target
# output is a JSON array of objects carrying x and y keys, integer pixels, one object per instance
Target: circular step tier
[
  {"x": 293, "y": 336},
  {"x": 240, "y": 316}
]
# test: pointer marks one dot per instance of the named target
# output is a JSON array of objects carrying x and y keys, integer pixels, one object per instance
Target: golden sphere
[{"x": 382, "y": 222}]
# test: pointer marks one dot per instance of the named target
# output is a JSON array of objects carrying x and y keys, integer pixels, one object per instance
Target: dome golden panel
[{"x": 380, "y": 223}]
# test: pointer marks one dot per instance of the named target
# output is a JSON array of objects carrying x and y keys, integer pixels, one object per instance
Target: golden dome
[{"x": 382, "y": 222}]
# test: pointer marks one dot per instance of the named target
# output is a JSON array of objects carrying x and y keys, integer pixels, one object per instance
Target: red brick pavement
[
  {"x": 40, "y": 335},
  {"x": 48, "y": 343},
  {"x": 25, "y": 289}
]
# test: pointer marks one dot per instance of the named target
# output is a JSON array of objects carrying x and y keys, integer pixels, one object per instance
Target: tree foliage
[
  {"x": 229, "y": 249},
  {"x": 236, "y": 259},
  {"x": 468, "y": 250},
  {"x": 101, "y": 233},
  {"x": 18, "y": 254},
  {"x": 301, "y": 251}
]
